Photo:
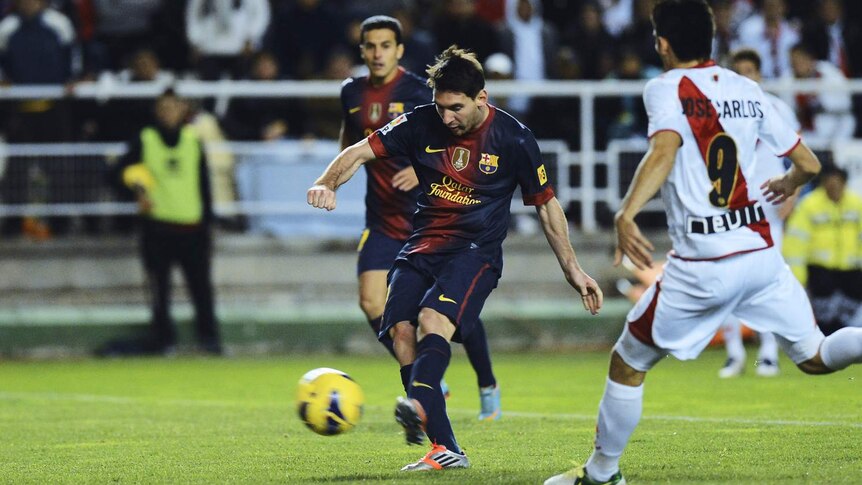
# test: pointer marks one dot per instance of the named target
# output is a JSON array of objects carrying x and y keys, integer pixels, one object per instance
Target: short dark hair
[
  {"x": 381, "y": 22},
  {"x": 830, "y": 169},
  {"x": 457, "y": 70},
  {"x": 746, "y": 55},
  {"x": 804, "y": 48},
  {"x": 688, "y": 26}
]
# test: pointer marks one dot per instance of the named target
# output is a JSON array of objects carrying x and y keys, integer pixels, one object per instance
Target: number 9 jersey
[{"x": 711, "y": 198}]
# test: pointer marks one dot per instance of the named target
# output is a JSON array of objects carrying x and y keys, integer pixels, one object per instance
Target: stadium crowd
[
  {"x": 66, "y": 41},
  {"x": 159, "y": 41}
]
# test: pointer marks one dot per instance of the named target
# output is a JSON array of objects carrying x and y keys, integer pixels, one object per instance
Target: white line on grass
[{"x": 56, "y": 396}]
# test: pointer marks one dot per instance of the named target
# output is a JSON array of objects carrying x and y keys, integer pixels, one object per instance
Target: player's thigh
[
  {"x": 462, "y": 286},
  {"x": 681, "y": 312},
  {"x": 407, "y": 286},
  {"x": 781, "y": 306}
]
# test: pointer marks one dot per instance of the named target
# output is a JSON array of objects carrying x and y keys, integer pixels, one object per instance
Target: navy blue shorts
[
  {"x": 454, "y": 285},
  {"x": 377, "y": 251}
]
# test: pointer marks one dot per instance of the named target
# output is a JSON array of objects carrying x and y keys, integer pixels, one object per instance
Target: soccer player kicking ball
[
  {"x": 469, "y": 157},
  {"x": 704, "y": 124},
  {"x": 370, "y": 102}
]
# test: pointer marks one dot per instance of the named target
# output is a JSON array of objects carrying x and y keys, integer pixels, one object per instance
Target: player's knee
[
  {"x": 622, "y": 373},
  {"x": 371, "y": 306},
  {"x": 403, "y": 333},
  {"x": 814, "y": 367},
  {"x": 432, "y": 321}
]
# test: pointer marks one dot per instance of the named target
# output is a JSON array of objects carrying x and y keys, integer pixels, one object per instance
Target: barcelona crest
[
  {"x": 488, "y": 163},
  {"x": 395, "y": 110},
  {"x": 460, "y": 158}
]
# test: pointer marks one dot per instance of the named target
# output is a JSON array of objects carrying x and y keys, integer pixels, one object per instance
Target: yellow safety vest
[
  {"x": 176, "y": 193},
  {"x": 823, "y": 233}
]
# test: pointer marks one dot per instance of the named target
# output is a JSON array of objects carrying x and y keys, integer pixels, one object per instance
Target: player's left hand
[
  {"x": 405, "y": 179},
  {"x": 591, "y": 294},
  {"x": 321, "y": 197},
  {"x": 778, "y": 189}
]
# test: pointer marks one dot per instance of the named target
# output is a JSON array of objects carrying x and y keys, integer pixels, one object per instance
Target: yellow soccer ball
[{"x": 329, "y": 401}]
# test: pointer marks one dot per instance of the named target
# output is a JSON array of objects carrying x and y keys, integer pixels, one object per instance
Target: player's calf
[{"x": 837, "y": 351}]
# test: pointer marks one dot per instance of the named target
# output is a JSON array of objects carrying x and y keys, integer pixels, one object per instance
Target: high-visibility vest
[
  {"x": 824, "y": 233},
  {"x": 176, "y": 192}
]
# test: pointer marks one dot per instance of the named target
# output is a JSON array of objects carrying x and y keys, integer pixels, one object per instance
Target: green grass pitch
[{"x": 197, "y": 420}]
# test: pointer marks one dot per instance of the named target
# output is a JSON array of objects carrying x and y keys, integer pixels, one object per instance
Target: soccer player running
[
  {"x": 704, "y": 124},
  {"x": 469, "y": 158},
  {"x": 369, "y": 103}
]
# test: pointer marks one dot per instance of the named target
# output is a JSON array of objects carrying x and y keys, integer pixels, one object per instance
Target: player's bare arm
[
  {"x": 556, "y": 229},
  {"x": 805, "y": 167},
  {"x": 322, "y": 194},
  {"x": 649, "y": 177}
]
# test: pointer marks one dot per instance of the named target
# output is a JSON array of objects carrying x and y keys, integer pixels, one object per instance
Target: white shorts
[{"x": 681, "y": 312}]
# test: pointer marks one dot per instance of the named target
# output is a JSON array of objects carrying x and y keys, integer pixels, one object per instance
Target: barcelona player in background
[
  {"x": 368, "y": 103},
  {"x": 469, "y": 157}
]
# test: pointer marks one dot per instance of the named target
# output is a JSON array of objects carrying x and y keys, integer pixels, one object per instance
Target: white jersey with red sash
[{"x": 710, "y": 195}]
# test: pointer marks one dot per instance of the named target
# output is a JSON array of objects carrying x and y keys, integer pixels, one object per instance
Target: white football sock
[
  {"x": 619, "y": 413},
  {"x": 768, "y": 347},
  {"x": 842, "y": 348},
  {"x": 732, "y": 330}
]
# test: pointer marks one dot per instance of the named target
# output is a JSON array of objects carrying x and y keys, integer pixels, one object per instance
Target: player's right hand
[
  {"x": 778, "y": 189},
  {"x": 321, "y": 197},
  {"x": 632, "y": 243}
]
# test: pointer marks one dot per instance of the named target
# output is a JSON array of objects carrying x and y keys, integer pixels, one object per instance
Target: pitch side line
[{"x": 55, "y": 396}]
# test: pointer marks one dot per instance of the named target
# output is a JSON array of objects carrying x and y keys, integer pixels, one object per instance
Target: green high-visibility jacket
[
  {"x": 824, "y": 233},
  {"x": 176, "y": 193}
]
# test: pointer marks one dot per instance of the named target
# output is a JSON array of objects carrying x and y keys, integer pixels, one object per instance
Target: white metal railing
[
  {"x": 271, "y": 178},
  {"x": 588, "y": 156}
]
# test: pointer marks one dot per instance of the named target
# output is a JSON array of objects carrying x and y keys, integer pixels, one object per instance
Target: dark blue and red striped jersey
[
  {"x": 467, "y": 181},
  {"x": 367, "y": 108}
]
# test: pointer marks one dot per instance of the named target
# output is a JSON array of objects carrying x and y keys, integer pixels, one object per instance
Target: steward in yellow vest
[
  {"x": 823, "y": 246},
  {"x": 166, "y": 168}
]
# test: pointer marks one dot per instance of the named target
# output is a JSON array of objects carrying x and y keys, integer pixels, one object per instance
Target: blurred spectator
[
  {"x": 499, "y": 67},
  {"x": 122, "y": 27},
  {"x": 224, "y": 33},
  {"x": 120, "y": 119},
  {"x": 629, "y": 116},
  {"x": 35, "y": 48},
  {"x": 591, "y": 42},
  {"x": 419, "y": 47},
  {"x": 771, "y": 35},
  {"x": 166, "y": 167},
  {"x": 825, "y": 115},
  {"x": 558, "y": 117},
  {"x": 302, "y": 38},
  {"x": 560, "y": 13},
  {"x": 146, "y": 67},
  {"x": 532, "y": 43},
  {"x": 325, "y": 114},
  {"x": 725, "y": 33},
  {"x": 492, "y": 11},
  {"x": 220, "y": 161},
  {"x": 36, "y": 45},
  {"x": 823, "y": 247},
  {"x": 264, "y": 119},
  {"x": 832, "y": 38},
  {"x": 459, "y": 24},
  {"x": 616, "y": 15},
  {"x": 638, "y": 35},
  {"x": 169, "y": 38}
]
